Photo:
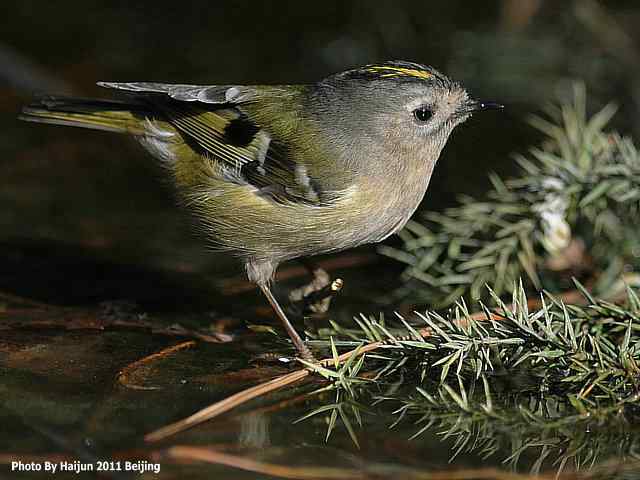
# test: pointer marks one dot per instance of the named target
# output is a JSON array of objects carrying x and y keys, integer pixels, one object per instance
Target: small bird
[{"x": 275, "y": 173}]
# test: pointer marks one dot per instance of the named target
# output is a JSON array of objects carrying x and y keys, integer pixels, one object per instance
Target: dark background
[{"x": 71, "y": 190}]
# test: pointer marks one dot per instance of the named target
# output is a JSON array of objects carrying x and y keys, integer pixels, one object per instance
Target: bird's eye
[{"x": 422, "y": 114}]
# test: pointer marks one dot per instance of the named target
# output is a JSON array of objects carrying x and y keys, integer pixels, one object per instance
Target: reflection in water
[{"x": 254, "y": 430}]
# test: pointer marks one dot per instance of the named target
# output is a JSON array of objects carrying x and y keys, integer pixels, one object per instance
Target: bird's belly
[
  {"x": 255, "y": 227},
  {"x": 389, "y": 212},
  {"x": 373, "y": 216}
]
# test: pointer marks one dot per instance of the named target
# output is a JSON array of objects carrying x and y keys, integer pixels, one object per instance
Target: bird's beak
[
  {"x": 487, "y": 105},
  {"x": 472, "y": 106}
]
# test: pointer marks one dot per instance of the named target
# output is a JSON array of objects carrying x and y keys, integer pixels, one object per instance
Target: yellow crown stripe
[{"x": 387, "y": 71}]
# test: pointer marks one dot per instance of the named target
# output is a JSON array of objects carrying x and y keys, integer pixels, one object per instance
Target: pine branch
[
  {"x": 578, "y": 370},
  {"x": 572, "y": 211}
]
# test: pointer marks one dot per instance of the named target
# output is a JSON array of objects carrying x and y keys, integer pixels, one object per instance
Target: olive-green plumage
[{"x": 280, "y": 172}]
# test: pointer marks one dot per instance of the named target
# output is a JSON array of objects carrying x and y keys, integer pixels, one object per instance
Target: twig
[
  {"x": 244, "y": 396},
  {"x": 75, "y": 320},
  {"x": 124, "y": 374},
  {"x": 203, "y": 454},
  {"x": 283, "y": 471}
]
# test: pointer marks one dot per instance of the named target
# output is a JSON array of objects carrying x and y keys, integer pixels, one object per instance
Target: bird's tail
[{"x": 109, "y": 115}]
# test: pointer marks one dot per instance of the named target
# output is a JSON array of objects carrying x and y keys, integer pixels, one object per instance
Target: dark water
[{"x": 98, "y": 266}]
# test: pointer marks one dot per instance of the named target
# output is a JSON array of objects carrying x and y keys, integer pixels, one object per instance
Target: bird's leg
[{"x": 303, "y": 350}]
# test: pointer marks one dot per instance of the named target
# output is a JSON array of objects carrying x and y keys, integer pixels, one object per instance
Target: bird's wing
[
  {"x": 213, "y": 118},
  {"x": 215, "y": 94}
]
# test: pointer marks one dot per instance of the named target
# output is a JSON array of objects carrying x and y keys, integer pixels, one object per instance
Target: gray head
[{"x": 399, "y": 107}]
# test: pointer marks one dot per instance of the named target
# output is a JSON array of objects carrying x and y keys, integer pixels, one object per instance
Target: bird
[{"x": 274, "y": 173}]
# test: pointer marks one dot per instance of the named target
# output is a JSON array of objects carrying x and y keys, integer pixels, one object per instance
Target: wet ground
[
  {"x": 88, "y": 381},
  {"x": 132, "y": 349}
]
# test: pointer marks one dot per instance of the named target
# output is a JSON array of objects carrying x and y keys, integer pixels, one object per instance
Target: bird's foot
[
  {"x": 273, "y": 358},
  {"x": 305, "y": 354}
]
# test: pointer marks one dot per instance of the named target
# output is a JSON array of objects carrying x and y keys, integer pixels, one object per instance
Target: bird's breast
[{"x": 385, "y": 205}]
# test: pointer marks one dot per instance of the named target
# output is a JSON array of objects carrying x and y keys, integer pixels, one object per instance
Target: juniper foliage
[
  {"x": 524, "y": 383},
  {"x": 573, "y": 209}
]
